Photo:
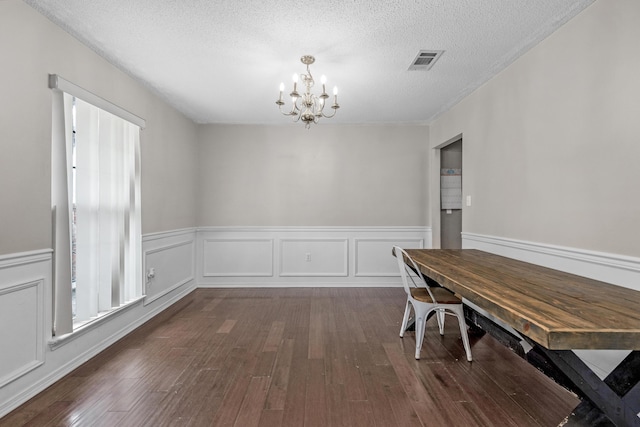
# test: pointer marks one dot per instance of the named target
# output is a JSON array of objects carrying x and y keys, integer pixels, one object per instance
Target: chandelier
[{"x": 307, "y": 106}]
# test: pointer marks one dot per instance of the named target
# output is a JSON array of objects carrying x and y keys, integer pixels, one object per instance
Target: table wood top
[{"x": 558, "y": 310}]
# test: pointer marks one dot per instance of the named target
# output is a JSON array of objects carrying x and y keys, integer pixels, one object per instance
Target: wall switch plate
[{"x": 468, "y": 200}]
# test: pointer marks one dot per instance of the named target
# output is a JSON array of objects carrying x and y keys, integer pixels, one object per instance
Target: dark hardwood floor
[{"x": 297, "y": 357}]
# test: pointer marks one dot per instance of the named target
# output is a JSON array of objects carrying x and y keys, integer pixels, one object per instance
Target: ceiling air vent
[{"x": 425, "y": 59}]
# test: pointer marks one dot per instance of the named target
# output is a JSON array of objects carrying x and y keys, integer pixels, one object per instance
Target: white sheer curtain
[
  {"x": 107, "y": 210},
  {"x": 105, "y": 151},
  {"x": 61, "y": 208}
]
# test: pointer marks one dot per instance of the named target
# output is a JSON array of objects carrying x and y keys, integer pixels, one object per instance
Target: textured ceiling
[{"x": 221, "y": 61}]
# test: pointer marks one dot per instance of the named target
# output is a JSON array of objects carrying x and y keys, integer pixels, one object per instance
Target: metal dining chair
[{"x": 426, "y": 299}]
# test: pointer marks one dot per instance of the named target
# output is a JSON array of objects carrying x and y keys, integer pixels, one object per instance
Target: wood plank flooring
[{"x": 296, "y": 357}]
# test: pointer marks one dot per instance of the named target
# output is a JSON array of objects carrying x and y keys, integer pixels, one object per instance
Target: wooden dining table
[{"x": 556, "y": 312}]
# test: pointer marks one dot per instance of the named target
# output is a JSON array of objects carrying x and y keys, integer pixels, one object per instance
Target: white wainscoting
[
  {"x": 237, "y": 257},
  {"x": 314, "y": 257},
  {"x": 302, "y": 256},
  {"x": 373, "y": 255},
  {"x": 27, "y": 364},
  {"x": 24, "y": 282},
  {"x": 616, "y": 269},
  {"x": 172, "y": 258}
]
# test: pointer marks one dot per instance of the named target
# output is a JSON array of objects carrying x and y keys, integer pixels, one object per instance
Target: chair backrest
[{"x": 407, "y": 266}]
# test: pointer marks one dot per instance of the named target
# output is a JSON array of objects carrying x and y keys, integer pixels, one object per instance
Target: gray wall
[
  {"x": 32, "y": 47},
  {"x": 324, "y": 176},
  {"x": 196, "y": 175},
  {"x": 551, "y": 145}
]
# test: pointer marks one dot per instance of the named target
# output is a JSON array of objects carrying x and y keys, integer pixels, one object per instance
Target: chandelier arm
[
  {"x": 296, "y": 112},
  {"x": 294, "y": 107},
  {"x": 290, "y": 113},
  {"x": 326, "y": 116}
]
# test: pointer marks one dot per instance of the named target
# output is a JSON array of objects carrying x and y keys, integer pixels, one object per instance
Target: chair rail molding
[{"x": 619, "y": 270}]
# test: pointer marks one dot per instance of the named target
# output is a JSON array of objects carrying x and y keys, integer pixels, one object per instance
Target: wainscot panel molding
[
  {"x": 169, "y": 262},
  {"x": 611, "y": 268},
  {"x": 314, "y": 257},
  {"x": 237, "y": 257},
  {"x": 302, "y": 256},
  {"x": 371, "y": 259},
  {"x": 24, "y": 287},
  {"x": 26, "y": 279}
]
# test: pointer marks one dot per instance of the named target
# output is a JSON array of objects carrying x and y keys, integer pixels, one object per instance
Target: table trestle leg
[{"x": 618, "y": 396}]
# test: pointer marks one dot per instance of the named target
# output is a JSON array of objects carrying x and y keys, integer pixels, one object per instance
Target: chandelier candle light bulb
[{"x": 311, "y": 107}]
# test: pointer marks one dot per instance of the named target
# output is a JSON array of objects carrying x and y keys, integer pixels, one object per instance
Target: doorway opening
[{"x": 451, "y": 196}]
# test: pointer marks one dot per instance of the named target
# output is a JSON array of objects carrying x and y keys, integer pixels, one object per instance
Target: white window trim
[
  {"x": 90, "y": 325},
  {"x": 59, "y": 83}
]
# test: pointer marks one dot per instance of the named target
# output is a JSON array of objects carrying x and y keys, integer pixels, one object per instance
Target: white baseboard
[{"x": 303, "y": 284}]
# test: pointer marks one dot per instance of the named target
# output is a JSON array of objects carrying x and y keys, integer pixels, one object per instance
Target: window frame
[{"x": 63, "y": 208}]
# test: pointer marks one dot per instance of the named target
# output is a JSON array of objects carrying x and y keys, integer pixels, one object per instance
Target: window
[{"x": 96, "y": 206}]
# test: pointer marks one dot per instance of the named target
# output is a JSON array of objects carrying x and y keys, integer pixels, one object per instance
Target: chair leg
[
  {"x": 440, "y": 316},
  {"x": 420, "y": 327},
  {"x": 405, "y": 319},
  {"x": 463, "y": 331},
  {"x": 421, "y": 320}
]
